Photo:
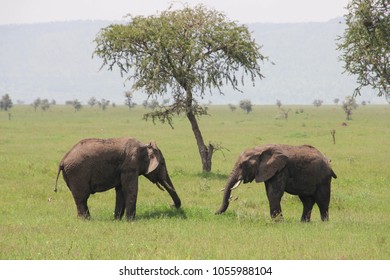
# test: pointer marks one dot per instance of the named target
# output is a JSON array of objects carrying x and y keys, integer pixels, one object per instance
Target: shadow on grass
[
  {"x": 166, "y": 213},
  {"x": 212, "y": 175},
  {"x": 192, "y": 213}
]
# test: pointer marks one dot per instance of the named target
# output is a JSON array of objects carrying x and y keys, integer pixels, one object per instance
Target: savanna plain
[{"x": 36, "y": 223}]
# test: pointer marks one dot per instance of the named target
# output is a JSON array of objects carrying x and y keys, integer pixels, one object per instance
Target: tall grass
[{"x": 36, "y": 223}]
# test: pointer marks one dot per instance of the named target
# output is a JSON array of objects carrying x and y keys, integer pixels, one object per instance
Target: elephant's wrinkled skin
[
  {"x": 297, "y": 170},
  {"x": 97, "y": 165}
]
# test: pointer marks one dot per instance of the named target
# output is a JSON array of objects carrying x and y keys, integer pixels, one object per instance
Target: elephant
[
  {"x": 97, "y": 165},
  {"x": 297, "y": 170}
]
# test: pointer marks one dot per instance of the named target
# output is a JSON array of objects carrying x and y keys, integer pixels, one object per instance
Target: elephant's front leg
[
  {"x": 119, "y": 203},
  {"x": 274, "y": 195},
  {"x": 130, "y": 192}
]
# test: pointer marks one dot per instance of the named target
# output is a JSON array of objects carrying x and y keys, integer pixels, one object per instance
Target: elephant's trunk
[
  {"x": 172, "y": 192},
  {"x": 233, "y": 182}
]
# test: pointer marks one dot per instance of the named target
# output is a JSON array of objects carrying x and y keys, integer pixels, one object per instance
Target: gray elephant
[
  {"x": 97, "y": 165},
  {"x": 297, "y": 170}
]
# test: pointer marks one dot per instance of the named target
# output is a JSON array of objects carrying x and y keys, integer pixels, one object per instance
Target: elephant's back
[
  {"x": 92, "y": 149},
  {"x": 310, "y": 161},
  {"x": 302, "y": 153}
]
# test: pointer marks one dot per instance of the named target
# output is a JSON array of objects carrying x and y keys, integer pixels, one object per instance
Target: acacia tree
[
  {"x": 246, "y": 105},
  {"x": 185, "y": 53},
  {"x": 5, "y": 103},
  {"x": 77, "y": 105},
  {"x": 365, "y": 44},
  {"x": 129, "y": 99},
  {"x": 349, "y": 104}
]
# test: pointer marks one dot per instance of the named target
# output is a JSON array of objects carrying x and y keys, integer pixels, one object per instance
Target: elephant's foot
[
  {"x": 277, "y": 217},
  {"x": 86, "y": 217},
  {"x": 306, "y": 217},
  {"x": 83, "y": 213}
]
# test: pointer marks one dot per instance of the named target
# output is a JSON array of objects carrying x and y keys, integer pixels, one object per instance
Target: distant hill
[{"x": 54, "y": 61}]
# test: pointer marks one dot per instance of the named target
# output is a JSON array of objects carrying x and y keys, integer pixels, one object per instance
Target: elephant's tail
[
  {"x": 60, "y": 168},
  {"x": 333, "y": 174}
]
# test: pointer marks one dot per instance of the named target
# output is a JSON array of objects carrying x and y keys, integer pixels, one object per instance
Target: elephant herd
[{"x": 96, "y": 165}]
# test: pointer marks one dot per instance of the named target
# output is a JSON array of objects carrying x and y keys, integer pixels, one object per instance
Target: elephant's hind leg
[
  {"x": 79, "y": 187},
  {"x": 322, "y": 198},
  {"x": 324, "y": 210},
  {"x": 82, "y": 207},
  {"x": 308, "y": 202}
]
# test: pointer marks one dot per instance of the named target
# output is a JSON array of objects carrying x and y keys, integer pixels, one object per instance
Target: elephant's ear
[
  {"x": 153, "y": 161},
  {"x": 270, "y": 163}
]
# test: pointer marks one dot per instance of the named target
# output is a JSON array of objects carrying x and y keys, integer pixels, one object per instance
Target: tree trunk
[{"x": 206, "y": 153}]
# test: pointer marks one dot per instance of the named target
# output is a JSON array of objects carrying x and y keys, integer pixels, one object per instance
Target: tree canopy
[
  {"x": 365, "y": 44},
  {"x": 185, "y": 53},
  {"x": 5, "y": 102}
]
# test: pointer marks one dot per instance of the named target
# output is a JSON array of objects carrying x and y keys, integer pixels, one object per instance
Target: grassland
[{"x": 36, "y": 223}]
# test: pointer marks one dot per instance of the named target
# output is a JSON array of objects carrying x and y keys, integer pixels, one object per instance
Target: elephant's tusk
[
  {"x": 169, "y": 187},
  {"x": 231, "y": 198},
  {"x": 236, "y": 185},
  {"x": 158, "y": 186}
]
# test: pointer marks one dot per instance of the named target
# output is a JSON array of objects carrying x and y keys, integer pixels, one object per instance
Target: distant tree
[
  {"x": 246, "y": 105},
  {"x": 145, "y": 103},
  {"x": 45, "y": 104},
  {"x": 36, "y": 103},
  {"x": 92, "y": 101},
  {"x": 129, "y": 99},
  {"x": 232, "y": 107},
  {"x": 365, "y": 44},
  {"x": 284, "y": 113},
  {"x": 185, "y": 53},
  {"x": 318, "y": 102},
  {"x": 336, "y": 101},
  {"x": 153, "y": 104},
  {"x": 349, "y": 105},
  {"x": 77, "y": 105},
  {"x": 103, "y": 103},
  {"x": 278, "y": 103},
  {"x": 6, "y": 103}
]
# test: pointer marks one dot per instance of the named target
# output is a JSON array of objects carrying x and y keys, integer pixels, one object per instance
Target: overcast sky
[{"x": 244, "y": 11}]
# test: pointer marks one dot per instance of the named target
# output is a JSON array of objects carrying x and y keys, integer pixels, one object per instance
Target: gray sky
[{"x": 244, "y": 11}]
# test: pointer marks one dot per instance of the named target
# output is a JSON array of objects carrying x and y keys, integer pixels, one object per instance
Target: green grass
[{"x": 36, "y": 223}]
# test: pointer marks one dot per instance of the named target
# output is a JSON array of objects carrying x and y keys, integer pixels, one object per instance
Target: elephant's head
[
  {"x": 157, "y": 172},
  {"x": 259, "y": 163}
]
